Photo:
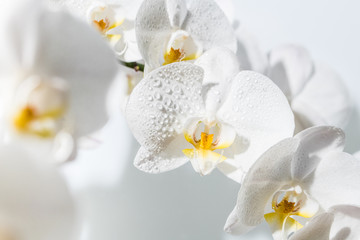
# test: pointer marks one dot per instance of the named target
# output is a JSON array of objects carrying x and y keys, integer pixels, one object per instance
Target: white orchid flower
[
  {"x": 207, "y": 113},
  {"x": 178, "y": 30},
  {"x": 53, "y": 89},
  {"x": 317, "y": 95},
  {"x": 294, "y": 182},
  {"x": 35, "y": 203},
  {"x": 113, "y": 19}
]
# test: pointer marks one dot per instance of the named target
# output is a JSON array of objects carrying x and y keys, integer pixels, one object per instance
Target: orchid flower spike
[
  {"x": 53, "y": 89},
  {"x": 317, "y": 95},
  {"x": 171, "y": 31},
  {"x": 35, "y": 203},
  {"x": 302, "y": 185},
  {"x": 113, "y": 19},
  {"x": 207, "y": 113}
]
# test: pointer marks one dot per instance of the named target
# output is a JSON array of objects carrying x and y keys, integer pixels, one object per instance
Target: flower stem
[{"x": 136, "y": 66}]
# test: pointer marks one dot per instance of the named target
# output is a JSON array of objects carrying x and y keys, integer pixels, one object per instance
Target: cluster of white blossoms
[{"x": 194, "y": 86}]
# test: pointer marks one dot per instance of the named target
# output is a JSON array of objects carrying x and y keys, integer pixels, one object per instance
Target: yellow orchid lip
[
  {"x": 104, "y": 19},
  {"x": 102, "y": 25},
  {"x": 177, "y": 55},
  {"x": 39, "y": 106},
  {"x": 181, "y": 47},
  {"x": 291, "y": 204},
  {"x": 27, "y": 120},
  {"x": 203, "y": 156}
]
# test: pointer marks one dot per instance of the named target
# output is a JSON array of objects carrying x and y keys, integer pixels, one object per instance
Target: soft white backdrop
[{"x": 120, "y": 202}]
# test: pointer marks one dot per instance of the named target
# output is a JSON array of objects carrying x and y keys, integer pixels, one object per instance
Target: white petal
[
  {"x": 162, "y": 102},
  {"x": 233, "y": 224},
  {"x": 260, "y": 114},
  {"x": 220, "y": 66},
  {"x": 324, "y": 100},
  {"x": 269, "y": 174},
  {"x": 154, "y": 29},
  {"x": 130, "y": 51},
  {"x": 80, "y": 57},
  {"x": 290, "y": 67},
  {"x": 214, "y": 31},
  {"x": 316, "y": 142},
  {"x": 248, "y": 51},
  {"x": 169, "y": 158},
  {"x": 228, "y": 8},
  {"x": 51, "y": 48},
  {"x": 129, "y": 7},
  {"x": 31, "y": 192},
  {"x": 181, "y": 39},
  {"x": 79, "y": 8},
  {"x": 335, "y": 180},
  {"x": 318, "y": 228},
  {"x": 18, "y": 43},
  {"x": 346, "y": 223},
  {"x": 177, "y": 12}
]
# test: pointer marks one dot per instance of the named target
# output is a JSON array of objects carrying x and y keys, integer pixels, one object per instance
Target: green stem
[{"x": 136, "y": 66}]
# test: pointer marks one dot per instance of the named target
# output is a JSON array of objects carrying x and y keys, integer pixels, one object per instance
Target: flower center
[
  {"x": 203, "y": 157},
  {"x": 106, "y": 21},
  {"x": 286, "y": 207},
  {"x": 286, "y": 204},
  {"x": 181, "y": 47},
  {"x": 102, "y": 25},
  {"x": 40, "y": 107},
  {"x": 174, "y": 55}
]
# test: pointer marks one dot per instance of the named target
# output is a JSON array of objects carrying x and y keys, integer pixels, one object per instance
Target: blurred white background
[{"x": 123, "y": 203}]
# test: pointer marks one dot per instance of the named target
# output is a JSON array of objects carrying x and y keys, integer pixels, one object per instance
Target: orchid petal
[
  {"x": 220, "y": 66},
  {"x": 160, "y": 105},
  {"x": 227, "y": 6},
  {"x": 335, "y": 180},
  {"x": 316, "y": 142},
  {"x": 281, "y": 226},
  {"x": 130, "y": 7},
  {"x": 346, "y": 223},
  {"x": 269, "y": 174},
  {"x": 234, "y": 225},
  {"x": 214, "y": 31},
  {"x": 261, "y": 116},
  {"x": 27, "y": 206},
  {"x": 249, "y": 53},
  {"x": 324, "y": 100},
  {"x": 154, "y": 28},
  {"x": 78, "y": 8},
  {"x": 130, "y": 51},
  {"x": 18, "y": 51},
  {"x": 290, "y": 67},
  {"x": 88, "y": 73},
  {"x": 171, "y": 157},
  {"x": 177, "y": 12},
  {"x": 318, "y": 228}
]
